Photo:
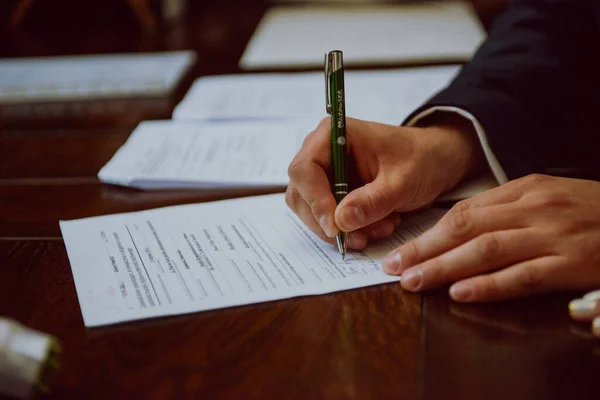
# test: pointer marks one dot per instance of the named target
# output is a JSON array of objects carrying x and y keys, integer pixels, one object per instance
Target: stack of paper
[
  {"x": 91, "y": 77},
  {"x": 244, "y": 130},
  {"x": 183, "y": 154},
  {"x": 192, "y": 258},
  {"x": 387, "y": 96},
  {"x": 299, "y": 36}
]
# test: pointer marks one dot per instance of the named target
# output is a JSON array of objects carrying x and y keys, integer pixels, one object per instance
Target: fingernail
[
  {"x": 352, "y": 217},
  {"x": 582, "y": 306},
  {"x": 357, "y": 241},
  {"x": 327, "y": 226},
  {"x": 392, "y": 262},
  {"x": 461, "y": 291},
  {"x": 593, "y": 296},
  {"x": 596, "y": 326},
  {"x": 411, "y": 279}
]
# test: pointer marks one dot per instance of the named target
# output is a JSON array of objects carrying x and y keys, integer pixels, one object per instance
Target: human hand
[
  {"x": 396, "y": 169},
  {"x": 534, "y": 234},
  {"x": 587, "y": 309}
]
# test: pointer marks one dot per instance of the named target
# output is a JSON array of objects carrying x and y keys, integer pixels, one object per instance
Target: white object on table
[
  {"x": 189, "y": 154},
  {"x": 92, "y": 76},
  {"x": 387, "y": 96},
  {"x": 299, "y": 36},
  {"x": 198, "y": 257},
  {"x": 26, "y": 356}
]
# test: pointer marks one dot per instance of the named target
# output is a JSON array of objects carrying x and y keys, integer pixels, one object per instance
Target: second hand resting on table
[{"x": 532, "y": 235}]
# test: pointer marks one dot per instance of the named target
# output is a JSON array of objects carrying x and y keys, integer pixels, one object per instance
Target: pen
[{"x": 335, "y": 104}]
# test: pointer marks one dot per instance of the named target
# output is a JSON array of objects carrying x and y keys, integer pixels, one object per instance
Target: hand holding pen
[{"x": 391, "y": 169}]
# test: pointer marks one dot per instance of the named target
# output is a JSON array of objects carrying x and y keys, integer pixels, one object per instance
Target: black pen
[{"x": 335, "y": 104}]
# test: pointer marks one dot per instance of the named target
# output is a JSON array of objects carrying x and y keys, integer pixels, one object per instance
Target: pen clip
[{"x": 327, "y": 72}]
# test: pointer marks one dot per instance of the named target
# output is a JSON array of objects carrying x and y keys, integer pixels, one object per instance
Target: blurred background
[
  {"x": 217, "y": 31},
  {"x": 51, "y": 27}
]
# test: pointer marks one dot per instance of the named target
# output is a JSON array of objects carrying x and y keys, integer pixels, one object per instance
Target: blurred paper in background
[
  {"x": 376, "y": 34},
  {"x": 92, "y": 76},
  {"x": 387, "y": 96}
]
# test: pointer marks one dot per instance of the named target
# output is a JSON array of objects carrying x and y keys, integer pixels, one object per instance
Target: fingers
[
  {"x": 309, "y": 183},
  {"x": 508, "y": 192},
  {"x": 587, "y": 309},
  {"x": 312, "y": 188},
  {"x": 535, "y": 276},
  {"x": 584, "y": 310},
  {"x": 504, "y": 194},
  {"x": 485, "y": 253},
  {"x": 594, "y": 296},
  {"x": 366, "y": 205},
  {"x": 382, "y": 229},
  {"x": 297, "y": 204},
  {"x": 356, "y": 240},
  {"x": 461, "y": 224}
]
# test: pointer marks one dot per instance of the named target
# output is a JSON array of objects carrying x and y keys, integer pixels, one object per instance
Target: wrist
[{"x": 455, "y": 146}]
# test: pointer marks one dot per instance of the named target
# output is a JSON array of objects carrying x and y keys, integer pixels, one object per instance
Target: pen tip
[{"x": 341, "y": 242}]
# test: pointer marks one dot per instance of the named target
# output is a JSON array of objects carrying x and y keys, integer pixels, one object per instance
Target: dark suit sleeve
[{"x": 534, "y": 87}]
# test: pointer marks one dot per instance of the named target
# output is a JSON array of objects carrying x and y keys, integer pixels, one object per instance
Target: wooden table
[{"x": 377, "y": 342}]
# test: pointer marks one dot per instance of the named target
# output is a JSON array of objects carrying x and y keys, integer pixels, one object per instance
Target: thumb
[{"x": 366, "y": 205}]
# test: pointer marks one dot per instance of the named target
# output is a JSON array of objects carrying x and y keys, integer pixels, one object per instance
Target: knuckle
[
  {"x": 296, "y": 168},
  {"x": 487, "y": 246},
  {"x": 531, "y": 278},
  {"x": 436, "y": 272},
  {"x": 292, "y": 198},
  {"x": 410, "y": 253},
  {"x": 573, "y": 229},
  {"x": 459, "y": 222},
  {"x": 317, "y": 205},
  {"x": 544, "y": 199},
  {"x": 536, "y": 179},
  {"x": 487, "y": 288}
]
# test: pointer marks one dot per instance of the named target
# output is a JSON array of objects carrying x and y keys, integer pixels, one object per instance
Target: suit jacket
[{"x": 534, "y": 86}]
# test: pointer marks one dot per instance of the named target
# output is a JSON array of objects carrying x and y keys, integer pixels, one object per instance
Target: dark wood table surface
[{"x": 378, "y": 342}]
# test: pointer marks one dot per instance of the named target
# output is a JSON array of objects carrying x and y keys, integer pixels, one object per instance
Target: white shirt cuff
[{"x": 492, "y": 161}]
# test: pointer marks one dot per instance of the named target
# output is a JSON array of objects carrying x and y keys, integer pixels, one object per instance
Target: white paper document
[
  {"x": 92, "y": 76},
  {"x": 185, "y": 154},
  {"x": 387, "y": 96},
  {"x": 299, "y": 36},
  {"x": 191, "y": 258}
]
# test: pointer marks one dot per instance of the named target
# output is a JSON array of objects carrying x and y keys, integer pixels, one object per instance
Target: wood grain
[
  {"x": 60, "y": 153},
  {"x": 84, "y": 114},
  {"x": 522, "y": 349},
  {"x": 358, "y": 344},
  {"x": 32, "y": 208}
]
